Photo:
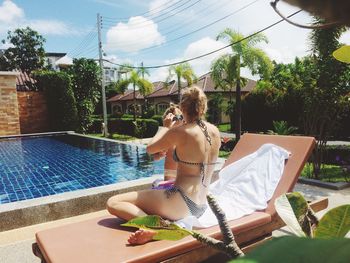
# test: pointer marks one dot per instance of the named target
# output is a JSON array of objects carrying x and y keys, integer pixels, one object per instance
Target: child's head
[{"x": 174, "y": 109}]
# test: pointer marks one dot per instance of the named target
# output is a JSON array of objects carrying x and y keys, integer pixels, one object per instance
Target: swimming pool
[{"x": 32, "y": 167}]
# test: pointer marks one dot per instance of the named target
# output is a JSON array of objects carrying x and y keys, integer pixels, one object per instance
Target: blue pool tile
[{"x": 41, "y": 166}]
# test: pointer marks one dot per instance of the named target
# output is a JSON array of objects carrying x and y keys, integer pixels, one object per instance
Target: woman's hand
[{"x": 168, "y": 120}]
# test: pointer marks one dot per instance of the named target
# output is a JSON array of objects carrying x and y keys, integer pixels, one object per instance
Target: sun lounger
[{"x": 104, "y": 240}]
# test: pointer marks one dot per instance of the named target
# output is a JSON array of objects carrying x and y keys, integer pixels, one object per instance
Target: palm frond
[
  {"x": 256, "y": 39},
  {"x": 122, "y": 85}
]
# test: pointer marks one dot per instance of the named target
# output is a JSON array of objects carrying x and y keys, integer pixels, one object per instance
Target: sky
[{"x": 156, "y": 32}]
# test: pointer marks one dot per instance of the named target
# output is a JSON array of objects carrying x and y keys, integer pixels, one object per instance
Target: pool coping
[{"x": 53, "y": 207}]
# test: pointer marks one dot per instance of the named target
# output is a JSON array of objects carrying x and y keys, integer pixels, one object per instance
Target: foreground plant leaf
[
  {"x": 292, "y": 208},
  {"x": 335, "y": 223},
  {"x": 292, "y": 249},
  {"x": 165, "y": 229},
  {"x": 342, "y": 54}
]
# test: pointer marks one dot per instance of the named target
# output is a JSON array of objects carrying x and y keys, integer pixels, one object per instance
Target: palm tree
[
  {"x": 134, "y": 77},
  {"x": 224, "y": 74},
  {"x": 182, "y": 71},
  {"x": 245, "y": 54}
]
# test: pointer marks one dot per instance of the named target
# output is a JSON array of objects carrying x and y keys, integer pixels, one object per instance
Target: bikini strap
[{"x": 204, "y": 129}]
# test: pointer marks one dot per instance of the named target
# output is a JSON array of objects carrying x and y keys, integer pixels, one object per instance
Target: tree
[
  {"x": 85, "y": 74},
  {"x": 323, "y": 99},
  {"x": 224, "y": 72},
  {"x": 245, "y": 54},
  {"x": 215, "y": 103},
  {"x": 181, "y": 71},
  {"x": 27, "y": 52},
  {"x": 134, "y": 77}
]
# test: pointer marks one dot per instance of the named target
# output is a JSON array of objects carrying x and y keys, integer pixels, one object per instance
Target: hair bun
[{"x": 194, "y": 102}]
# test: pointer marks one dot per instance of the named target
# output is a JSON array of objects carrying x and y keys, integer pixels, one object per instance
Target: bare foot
[{"x": 141, "y": 236}]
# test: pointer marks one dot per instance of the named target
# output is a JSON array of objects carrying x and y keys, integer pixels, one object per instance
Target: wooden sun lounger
[{"x": 104, "y": 240}]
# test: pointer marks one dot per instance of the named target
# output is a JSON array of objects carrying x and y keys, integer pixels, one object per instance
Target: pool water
[{"x": 32, "y": 167}]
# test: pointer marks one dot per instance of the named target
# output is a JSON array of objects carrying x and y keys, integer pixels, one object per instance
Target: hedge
[
  {"x": 60, "y": 99},
  {"x": 159, "y": 119},
  {"x": 144, "y": 128},
  {"x": 337, "y": 154}
]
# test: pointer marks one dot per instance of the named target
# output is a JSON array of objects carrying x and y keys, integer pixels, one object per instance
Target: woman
[{"x": 196, "y": 146}]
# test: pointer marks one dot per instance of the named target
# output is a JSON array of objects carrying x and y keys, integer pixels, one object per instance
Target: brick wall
[
  {"x": 33, "y": 115},
  {"x": 9, "y": 116}
]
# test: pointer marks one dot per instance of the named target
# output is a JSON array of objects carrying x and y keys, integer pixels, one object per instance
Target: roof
[
  {"x": 55, "y": 54},
  {"x": 127, "y": 94},
  {"x": 25, "y": 83},
  {"x": 162, "y": 90},
  {"x": 65, "y": 60},
  {"x": 205, "y": 82}
]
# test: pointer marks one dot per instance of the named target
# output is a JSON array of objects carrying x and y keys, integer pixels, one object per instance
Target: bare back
[{"x": 194, "y": 147}]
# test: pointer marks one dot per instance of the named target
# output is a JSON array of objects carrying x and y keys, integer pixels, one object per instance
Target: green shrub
[
  {"x": 96, "y": 126},
  {"x": 337, "y": 154},
  {"x": 85, "y": 75},
  {"x": 128, "y": 116},
  {"x": 60, "y": 99},
  {"x": 149, "y": 127},
  {"x": 159, "y": 119}
]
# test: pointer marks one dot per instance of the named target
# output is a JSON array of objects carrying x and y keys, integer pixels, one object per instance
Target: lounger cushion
[{"x": 104, "y": 240}]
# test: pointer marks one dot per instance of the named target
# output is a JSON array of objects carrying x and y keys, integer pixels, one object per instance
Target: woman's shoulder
[{"x": 213, "y": 128}]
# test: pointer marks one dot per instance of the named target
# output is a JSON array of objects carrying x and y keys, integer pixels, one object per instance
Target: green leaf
[
  {"x": 342, "y": 54},
  {"x": 294, "y": 249},
  {"x": 335, "y": 223},
  {"x": 292, "y": 208},
  {"x": 165, "y": 229},
  {"x": 286, "y": 213}
]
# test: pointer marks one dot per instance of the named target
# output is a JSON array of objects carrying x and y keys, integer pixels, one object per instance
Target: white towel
[{"x": 244, "y": 186}]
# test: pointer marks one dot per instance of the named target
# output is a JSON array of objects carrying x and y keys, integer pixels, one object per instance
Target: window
[
  {"x": 116, "y": 108},
  {"x": 161, "y": 107}
]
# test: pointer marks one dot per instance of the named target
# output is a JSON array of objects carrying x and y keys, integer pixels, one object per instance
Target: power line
[
  {"x": 143, "y": 23},
  {"x": 209, "y": 53},
  {"x": 85, "y": 41},
  {"x": 145, "y": 13},
  {"x": 197, "y": 30}
]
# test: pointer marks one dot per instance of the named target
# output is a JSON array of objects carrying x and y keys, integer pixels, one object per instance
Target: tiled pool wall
[{"x": 49, "y": 208}]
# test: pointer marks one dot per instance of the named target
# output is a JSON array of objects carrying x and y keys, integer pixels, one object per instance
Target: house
[
  {"x": 52, "y": 58},
  {"x": 163, "y": 95}
]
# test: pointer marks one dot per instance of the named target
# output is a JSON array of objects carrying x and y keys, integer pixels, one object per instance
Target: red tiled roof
[
  {"x": 205, "y": 82},
  {"x": 160, "y": 90},
  {"x": 24, "y": 82},
  {"x": 119, "y": 97}
]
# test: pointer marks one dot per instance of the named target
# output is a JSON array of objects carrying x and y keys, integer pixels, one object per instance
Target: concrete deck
[{"x": 15, "y": 245}]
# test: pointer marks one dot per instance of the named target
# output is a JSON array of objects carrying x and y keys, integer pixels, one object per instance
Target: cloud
[
  {"x": 12, "y": 17},
  {"x": 200, "y": 66},
  {"x": 203, "y": 46},
  {"x": 10, "y": 12},
  {"x": 138, "y": 33}
]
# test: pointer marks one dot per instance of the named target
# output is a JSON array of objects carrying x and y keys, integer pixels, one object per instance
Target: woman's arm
[
  {"x": 165, "y": 137},
  {"x": 162, "y": 141}
]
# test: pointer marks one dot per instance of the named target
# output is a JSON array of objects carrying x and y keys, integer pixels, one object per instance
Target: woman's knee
[{"x": 115, "y": 200}]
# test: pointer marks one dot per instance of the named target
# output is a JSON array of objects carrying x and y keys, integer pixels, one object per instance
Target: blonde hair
[
  {"x": 173, "y": 108},
  {"x": 193, "y": 102}
]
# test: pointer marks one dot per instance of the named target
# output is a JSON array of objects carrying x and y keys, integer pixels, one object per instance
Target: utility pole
[{"x": 104, "y": 107}]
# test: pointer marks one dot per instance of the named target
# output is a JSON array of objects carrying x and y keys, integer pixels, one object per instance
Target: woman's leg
[
  {"x": 124, "y": 206},
  {"x": 154, "y": 202},
  {"x": 151, "y": 202}
]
